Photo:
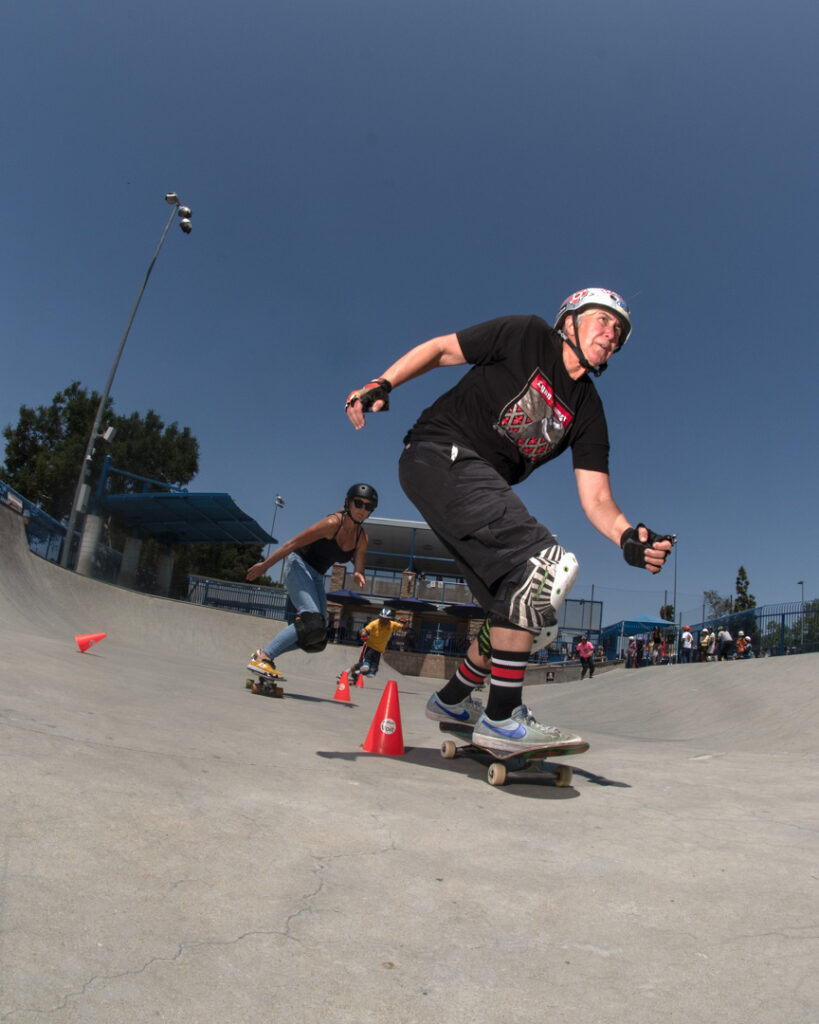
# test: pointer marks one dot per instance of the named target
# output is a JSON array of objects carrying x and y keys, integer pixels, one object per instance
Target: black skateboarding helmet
[{"x": 363, "y": 491}]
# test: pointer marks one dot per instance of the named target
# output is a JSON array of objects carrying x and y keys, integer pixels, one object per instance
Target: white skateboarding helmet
[{"x": 602, "y": 298}]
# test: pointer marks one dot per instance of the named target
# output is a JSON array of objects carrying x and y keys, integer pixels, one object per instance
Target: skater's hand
[
  {"x": 646, "y": 549},
  {"x": 373, "y": 397},
  {"x": 254, "y": 572},
  {"x": 360, "y": 580}
]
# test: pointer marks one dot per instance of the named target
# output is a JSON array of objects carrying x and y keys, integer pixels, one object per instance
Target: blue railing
[
  {"x": 774, "y": 629},
  {"x": 267, "y": 602},
  {"x": 44, "y": 534}
]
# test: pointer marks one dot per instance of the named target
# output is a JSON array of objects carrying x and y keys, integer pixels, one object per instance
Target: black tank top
[{"x": 325, "y": 551}]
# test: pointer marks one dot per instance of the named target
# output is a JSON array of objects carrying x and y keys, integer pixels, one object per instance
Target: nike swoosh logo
[
  {"x": 517, "y": 733},
  {"x": 462, "y": 716}
]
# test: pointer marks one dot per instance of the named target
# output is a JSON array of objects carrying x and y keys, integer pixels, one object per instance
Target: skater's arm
[
  {"x": 597, "y": 501},
  {"x": 603, "y": 512},
  {"x": 325, "y": 527},
  {"x": 360, "y": 560},
  {"x": 442, "y": 351}
]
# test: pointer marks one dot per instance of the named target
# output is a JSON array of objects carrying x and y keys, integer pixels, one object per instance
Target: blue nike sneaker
[
  {"x": 465, "y": 712},
  {"x": 520, "y": 731}
]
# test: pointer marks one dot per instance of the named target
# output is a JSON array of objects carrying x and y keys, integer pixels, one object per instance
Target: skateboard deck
[
  {"x": 265, "y": 684},
  {"x": 504, "y": 762}
]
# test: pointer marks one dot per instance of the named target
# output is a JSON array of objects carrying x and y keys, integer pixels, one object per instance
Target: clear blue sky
[{"x": 364, "y": 175}]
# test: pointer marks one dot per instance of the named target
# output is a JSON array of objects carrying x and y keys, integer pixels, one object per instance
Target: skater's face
[
  {"x": 599, "y": 332},
  {"x": 360, "y": 509}
]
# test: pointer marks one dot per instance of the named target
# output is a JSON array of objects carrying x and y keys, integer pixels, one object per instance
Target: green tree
[
  {"x": 220, "y": 561},
  {"x": 144, "y": 445},
  {"x": 717, "y": 605},
  {"x": 44, "y": 451},
  {"x": 744, "y": 601},
  {"x": 667, "y": 612}
]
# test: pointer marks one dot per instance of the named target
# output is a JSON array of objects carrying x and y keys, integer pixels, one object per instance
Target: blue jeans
[{"x": 305, "y": 588}]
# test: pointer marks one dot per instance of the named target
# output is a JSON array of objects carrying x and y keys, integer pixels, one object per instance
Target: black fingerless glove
[
  {"x": 376, "y": 390},
  {"x": 634, "y": 550}
]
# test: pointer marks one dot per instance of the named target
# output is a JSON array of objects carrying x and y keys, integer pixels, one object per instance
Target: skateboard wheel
[
  {"x": 248, "y": 683},
  {"x": 448, "y": 749},
  {"x": 496, "y": 776},
  {"x": 563, "y": 775}
]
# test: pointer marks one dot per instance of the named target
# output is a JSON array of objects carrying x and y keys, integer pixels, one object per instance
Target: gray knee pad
[
  {"x": 311, "y": 632},
  {"x": 534, "y": 600}
]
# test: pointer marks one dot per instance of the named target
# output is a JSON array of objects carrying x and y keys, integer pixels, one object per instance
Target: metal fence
[
  {"x": 384, "y": 583},
  {"x": 267, "y": 602},
  {"x": 773, "y": 629},
  {"x": 44, "y": 534}
]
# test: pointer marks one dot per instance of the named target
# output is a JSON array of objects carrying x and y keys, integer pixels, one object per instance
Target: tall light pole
[
  {"x": 81, "y": 491},
  {"x": 801, "y": 583},
  {"x": 277, "y": 504},
  {"x": 679, "y": 618}
]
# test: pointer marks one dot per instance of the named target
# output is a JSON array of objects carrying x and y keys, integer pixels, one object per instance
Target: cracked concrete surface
[{"x": 177, "y": 849}]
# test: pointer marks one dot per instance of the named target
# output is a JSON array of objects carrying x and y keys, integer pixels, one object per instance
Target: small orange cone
[
  {"x": 86, "y": 640},
  {"x": 360, "y": 680},
  {"x": 343, "y": 687},
  {"x": 385, "y": 735}
]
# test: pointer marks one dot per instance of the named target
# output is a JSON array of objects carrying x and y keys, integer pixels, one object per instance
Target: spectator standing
[
  {"x": 585, "y": 651},
  {"x": 687, "y": 645},
  {"x": 725, "y": 643}
]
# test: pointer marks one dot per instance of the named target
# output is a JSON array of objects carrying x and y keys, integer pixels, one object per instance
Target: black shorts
[
  {"x": 372, "y": 657},
  {"x": 474, "y": 512}
]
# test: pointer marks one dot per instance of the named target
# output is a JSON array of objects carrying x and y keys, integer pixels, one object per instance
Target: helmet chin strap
[{"x": 575, "y": 347}]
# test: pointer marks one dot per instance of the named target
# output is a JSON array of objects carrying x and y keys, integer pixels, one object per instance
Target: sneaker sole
[
  {"x": 565, "y": 742},
  {"x": 264, "y": 673}
]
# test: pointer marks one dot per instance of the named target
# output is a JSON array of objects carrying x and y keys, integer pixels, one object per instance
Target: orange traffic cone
[
  {"x": 385, "y": 736},
  {"x": 359, "y": 681},
  {"x": 86, "y": 640},
  {"x": 343, "y": 687}
]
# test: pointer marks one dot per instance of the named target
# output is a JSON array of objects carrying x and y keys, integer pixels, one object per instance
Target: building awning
[{"x": 185, "y": 518}]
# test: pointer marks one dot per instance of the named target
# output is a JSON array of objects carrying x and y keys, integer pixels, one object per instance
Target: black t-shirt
[{"x": 517, "y": 407}]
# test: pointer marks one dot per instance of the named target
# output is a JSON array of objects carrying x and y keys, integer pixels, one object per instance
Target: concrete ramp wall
[{"x": 40, "y": 600}]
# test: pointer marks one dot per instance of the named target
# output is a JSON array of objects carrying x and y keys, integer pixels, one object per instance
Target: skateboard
[
  {"x": 503, "y": 762},
  {"x": 265, "y": 684}
]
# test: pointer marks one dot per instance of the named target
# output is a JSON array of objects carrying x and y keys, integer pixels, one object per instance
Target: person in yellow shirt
[{"x": 376, "y": 635}]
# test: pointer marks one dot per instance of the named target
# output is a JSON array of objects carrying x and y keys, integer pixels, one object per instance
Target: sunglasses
[{"x": 360, "y": 503}]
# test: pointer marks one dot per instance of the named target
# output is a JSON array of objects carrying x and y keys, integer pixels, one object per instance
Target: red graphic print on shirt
[{"x": 535, "y": 420}]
